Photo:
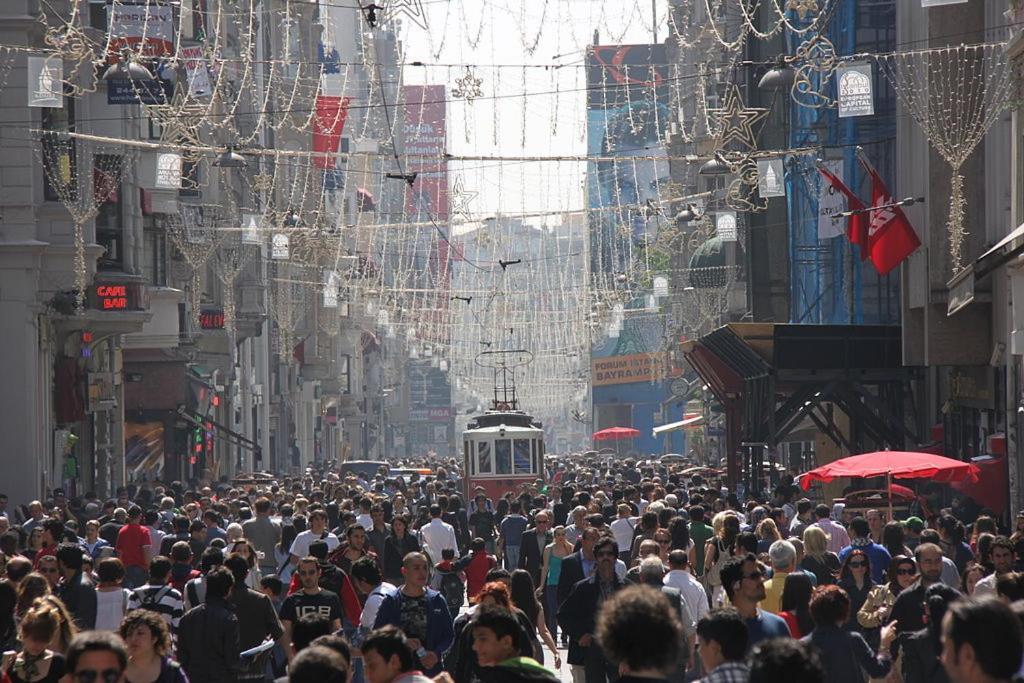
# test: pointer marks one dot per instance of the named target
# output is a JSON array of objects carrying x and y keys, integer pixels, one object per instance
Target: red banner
[
  {"x": 328, "y": 124},
  {"x": 425, "y": 147}
]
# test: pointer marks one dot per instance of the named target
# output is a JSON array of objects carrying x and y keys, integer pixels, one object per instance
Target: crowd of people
[{"x": 638, "y": 571}]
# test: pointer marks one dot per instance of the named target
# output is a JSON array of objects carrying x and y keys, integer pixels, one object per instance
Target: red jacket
[{"x": 476, "y": 565}]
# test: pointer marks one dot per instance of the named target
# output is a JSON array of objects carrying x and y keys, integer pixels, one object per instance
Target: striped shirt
[{"x": 159, "y": 598}]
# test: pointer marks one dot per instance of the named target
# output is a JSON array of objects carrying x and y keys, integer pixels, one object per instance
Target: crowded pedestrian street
[{"x": 511, "y": 341}]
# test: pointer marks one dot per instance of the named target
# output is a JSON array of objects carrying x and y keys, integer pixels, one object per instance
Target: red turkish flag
[
  {"x": 328, "y": 124},
  {"x": 857, "y": 224},
  {"x": 891, "y": 238}
]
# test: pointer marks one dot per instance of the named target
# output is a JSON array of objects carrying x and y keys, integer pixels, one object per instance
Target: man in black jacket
[
  {"x": 531, "y": 547},
  {"x": 257, "y": 619},
  {"x": 578, "y": 614},
  {"x": 579, "y": 565},
  {"x": 908, "y": 610},
  {"x": 76, "y": 591},
  {"x": 208, "y": 635}
]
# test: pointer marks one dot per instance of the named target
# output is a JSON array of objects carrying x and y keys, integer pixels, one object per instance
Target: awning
[
  {"x": 676, "y": 426},
  {"x": 226, "y": 433},
  {"x": 961, "y": 287}
]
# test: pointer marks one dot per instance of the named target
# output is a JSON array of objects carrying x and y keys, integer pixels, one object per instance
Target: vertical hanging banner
[
  {"x": 425, "y": 145},
  {"x": 856, "y": 90},
  {"x": 168, "y": 171},
  {"x": 279, "y": 247},
  {"x": 46, "y": 82},
  {"x": 331, "y": 283},
  {"x": 196, "y": 70},
  {"x": 725, "y": 226},
  {"x": 770, "y": 178},
  {"x": 250, "y": 229},
  {"x": 328, "y": 124},
  {"x": 831, "y": 202}
]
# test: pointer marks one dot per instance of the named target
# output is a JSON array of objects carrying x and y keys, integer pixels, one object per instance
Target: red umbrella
[
  {"x": 616, "y": 433},
  {"x": 893, "y": 465}
]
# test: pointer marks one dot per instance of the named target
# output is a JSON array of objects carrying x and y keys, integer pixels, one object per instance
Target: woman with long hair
[
  {"x": 524, "y": 597},
  {"x": 550, "y": 572},
  {"x": 282, "y": 556},
  {"x": 718, "y": 550},
  {"x": 874, "y": 613},
  {"x": 855, "y": 580},
  {"x": 34, "y": 543},
  {"x": 973, "y": 573},
  {"x": 796, "y": 604},
  {"x": 37, "y": 662},
  {"x": 767, "y": 533},
  {"x": 679, "y": 532},
  {"x": 818, "y": 560},
  {"x": 149, "y": 647},
  {"x": 461, "y": 660},
  {"x": 30, "y": 589},
  {"x": 892, "y": 539},
  {"x": 397, "y": 545},
  {"x": 66, "y": 629},
  {"x": 246, "y": 549}
]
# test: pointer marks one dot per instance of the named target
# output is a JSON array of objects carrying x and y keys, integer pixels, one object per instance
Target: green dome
[{"x": 707, "y": 265}]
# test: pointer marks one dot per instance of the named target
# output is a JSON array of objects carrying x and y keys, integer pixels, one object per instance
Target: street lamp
[
  {"x": 688, "y": 214},
  {"x": 780, "y": 76},
  {"x": 128, "y": 68},
  {"x": 717, "y": 165},
  {"x": 229, "y": 158}
]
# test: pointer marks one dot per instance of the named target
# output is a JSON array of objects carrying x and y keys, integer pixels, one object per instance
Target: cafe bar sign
[{"x": 116, "y": 296}]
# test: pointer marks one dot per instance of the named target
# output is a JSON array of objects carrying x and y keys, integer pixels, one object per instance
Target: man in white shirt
[
  {"x": 622, "y": 528},
  {"x": 838, "y": 538},
  {"x": 366, "y": 578},
  {"x": 317, "y": 530},
  {"x": 437, "y": 535},
  {"x": 680, "y": 578},
  {"x": 1002, "y": 560}
]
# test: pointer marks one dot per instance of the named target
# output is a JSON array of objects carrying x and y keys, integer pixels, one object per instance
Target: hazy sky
[{"x": 512, "y": 33}]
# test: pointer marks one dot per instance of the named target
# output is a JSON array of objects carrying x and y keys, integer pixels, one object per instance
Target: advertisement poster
[
  {"x": 627, "y": 114},
  {"x": 147, "y": 29},
  {"x": 45, "y": 82},
  {"x": 144, "y": 449},
  {"x": 831, "y": 202}
]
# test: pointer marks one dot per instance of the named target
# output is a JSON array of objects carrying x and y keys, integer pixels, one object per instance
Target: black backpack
[{"x": 454, "y": 592}]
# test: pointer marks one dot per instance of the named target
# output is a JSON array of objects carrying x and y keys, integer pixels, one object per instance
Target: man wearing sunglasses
[
  {"x": 743, "y": 581},
  {"x": 97, "y": 657},
  {"x": 578, "y": 615}
]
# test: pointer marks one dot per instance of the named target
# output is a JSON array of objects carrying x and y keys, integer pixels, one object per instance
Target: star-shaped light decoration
[
  {"x": 802, "y": 7},
  {"x": 468, "y": 87},
  {"x": 411, "y": 9},
  {"x": 459, "y": 199},
  {"x": 735, "y": 122}
]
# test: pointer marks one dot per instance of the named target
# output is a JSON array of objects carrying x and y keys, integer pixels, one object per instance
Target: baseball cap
[{"x": 915, "y": 524}]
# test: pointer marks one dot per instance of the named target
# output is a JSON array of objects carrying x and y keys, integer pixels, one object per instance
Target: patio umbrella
[
  {"x": 616, "y": 433},
  {"x": 893, "y": 465}
]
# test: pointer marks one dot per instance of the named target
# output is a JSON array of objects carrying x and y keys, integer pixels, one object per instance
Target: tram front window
[
  {"x": 522, "y": 456},
  {"x": 503, "y": 456},
  {"x": 483, "y": 451}
]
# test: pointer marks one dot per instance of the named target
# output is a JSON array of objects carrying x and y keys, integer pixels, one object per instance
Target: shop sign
[
  {"x": 116, "y": 296},
  {"x": 211, "y": 319},
  {"x": 637, "y": 367}
]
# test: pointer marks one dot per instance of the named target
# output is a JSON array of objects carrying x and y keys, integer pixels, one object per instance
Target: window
[
  {"x": 98, "y": 17},
  {"x": 503, "y": 456},
  {"x": 521, "y": 453},
  {"x": 110, "y": 217},
  {"x": 483, "y": 452},
  {"x": 59, "y": 170},
  {"x": 344, "y": 373},
  {"x": 154, "y": 266}
]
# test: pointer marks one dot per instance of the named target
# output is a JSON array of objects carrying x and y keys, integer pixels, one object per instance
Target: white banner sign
[
  {"x": 856, "y": 90},
  {"x": 725, "y": 226},
  {"x": 830, "y": 202},
  {"x": 940, "y": 3},
  {"x": 331, "y": 282},
  {"x": 196, "y": 71},
  {"x": 770, "y": 178},
  {"x": 251, "y": 229},
  {"x": 146, "y": 29},
  {"x": 46, "y": 82},
  {"x": 168, "y": 171},
  {"x": 279, "y": 247}
]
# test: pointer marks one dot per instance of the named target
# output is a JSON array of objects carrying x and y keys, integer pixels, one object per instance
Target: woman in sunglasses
[
  {"x": 855, "y": 579},
  {"x": 36, "y": 663},
  {"x": 874, "y": 613}
]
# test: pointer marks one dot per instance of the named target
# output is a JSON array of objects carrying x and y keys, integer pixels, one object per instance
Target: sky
[{"x": 499, "y": 37}]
